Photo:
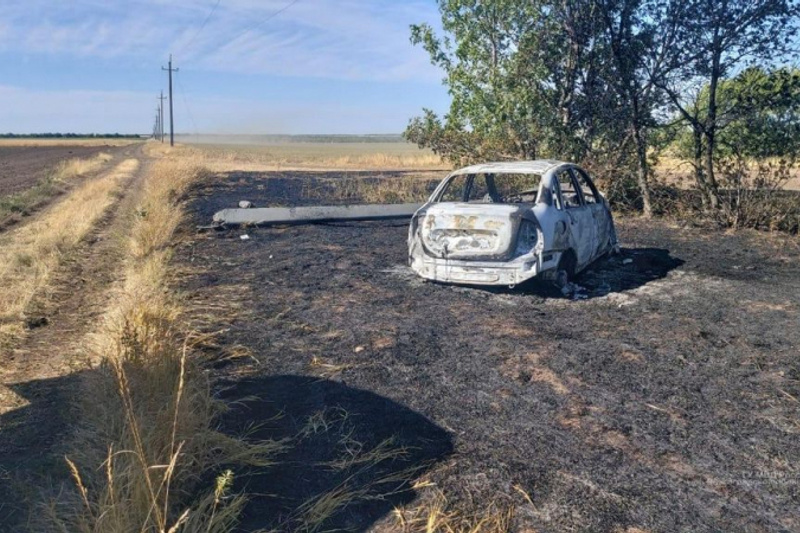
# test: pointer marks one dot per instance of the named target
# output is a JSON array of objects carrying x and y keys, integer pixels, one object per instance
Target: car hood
[{"x": 470, "y": 231}]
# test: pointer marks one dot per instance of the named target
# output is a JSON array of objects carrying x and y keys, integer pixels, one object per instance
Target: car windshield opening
[{"x": 492, "y": 188}]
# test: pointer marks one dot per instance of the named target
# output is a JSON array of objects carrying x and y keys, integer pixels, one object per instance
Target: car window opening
[
  {"x": 569, "y": 191},
  {"x": 492, "y": 188}
]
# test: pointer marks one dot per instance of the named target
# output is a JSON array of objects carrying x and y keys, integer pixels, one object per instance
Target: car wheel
[{"x": 565, "y": 270}]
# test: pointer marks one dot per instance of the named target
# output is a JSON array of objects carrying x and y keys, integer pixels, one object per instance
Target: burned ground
[{"x": 668, "y": 400}]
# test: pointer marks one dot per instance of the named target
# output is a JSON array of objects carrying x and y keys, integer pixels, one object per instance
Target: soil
[
  {"x": 666, "y": 398},
  {"x": 40, "y": 372},
  {"x": 21, "y": 167}
]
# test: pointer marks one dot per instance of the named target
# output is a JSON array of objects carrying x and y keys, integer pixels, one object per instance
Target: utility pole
[
  {"x": 155, "y": 126},
  {"x": 171, "y": 121},
  {"x": 161, "y": 124}
]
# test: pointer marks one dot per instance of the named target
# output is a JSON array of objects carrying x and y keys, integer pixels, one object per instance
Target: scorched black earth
[{"x": 666, "y": 400}]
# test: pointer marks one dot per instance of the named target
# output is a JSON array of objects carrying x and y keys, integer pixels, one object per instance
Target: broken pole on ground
[{"x": 306, "y": 215}]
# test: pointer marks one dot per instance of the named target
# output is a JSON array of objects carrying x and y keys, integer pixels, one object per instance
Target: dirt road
[
  {"x": 668, "y": 400},
  {"x": 38, "y": 377}
]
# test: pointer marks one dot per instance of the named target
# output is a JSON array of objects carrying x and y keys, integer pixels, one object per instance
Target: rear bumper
[{"x": 511, "y": 272}]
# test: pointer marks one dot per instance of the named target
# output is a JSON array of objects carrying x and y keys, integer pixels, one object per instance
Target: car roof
[{"x": 539, "y": 166}]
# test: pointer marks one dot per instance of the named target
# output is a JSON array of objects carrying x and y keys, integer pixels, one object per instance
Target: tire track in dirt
[{"x": 40, "y": 374}]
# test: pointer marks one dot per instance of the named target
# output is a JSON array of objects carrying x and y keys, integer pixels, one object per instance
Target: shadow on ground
[
  {"x": 32, "y": 446},
  {"x": 358, "y": 448},
  {"x": 630, "y": 269},
  {"x": 351, "y": 458}
]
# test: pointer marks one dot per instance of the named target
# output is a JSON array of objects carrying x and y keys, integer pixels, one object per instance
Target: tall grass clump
[
  {"x": 72, "y": 168},
  {"x": 435, "y": 514},
  {"x": 372, "y": 190},
  {"x": 147, "y": 442}
]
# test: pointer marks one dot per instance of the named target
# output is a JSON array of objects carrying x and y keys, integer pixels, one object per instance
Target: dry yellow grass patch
[
  {"x": 72, "y": 168},
  {"x": 146, "y": 432},
  {"x": 399, "y": 189},
  {"x": 434, "y": 514},
  {"x": 313, "y": 156},
  {"x": 679, "y": 172},
  {"x": 29, "y": 254}
]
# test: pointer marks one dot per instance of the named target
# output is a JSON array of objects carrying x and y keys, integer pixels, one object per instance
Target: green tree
[
  {"x": 566, "y": 79},
  {"x": 758, "y": 115},
  {"x": 632, "y": 28},
  {"x": 714, "y": 38},
  {"x": 523, "y": 77}
]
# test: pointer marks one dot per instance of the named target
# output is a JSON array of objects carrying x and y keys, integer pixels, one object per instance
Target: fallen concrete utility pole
[{"x": 305, "y": 215}]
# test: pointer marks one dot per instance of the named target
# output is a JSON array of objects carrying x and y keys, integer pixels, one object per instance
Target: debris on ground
[
  {"x": 574, "y": 291},
  {"x": 245, "y": 204}
]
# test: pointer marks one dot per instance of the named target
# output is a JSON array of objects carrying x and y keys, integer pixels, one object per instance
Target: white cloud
[{"x": 339, "y": 39}]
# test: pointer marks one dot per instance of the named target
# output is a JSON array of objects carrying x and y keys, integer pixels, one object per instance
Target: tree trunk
[
  {"x": 711, "y": 130},
  {"x": 643, "y": 171},
  {"x": 699, "y": 176},
  {"x": 712, "y": 190}
]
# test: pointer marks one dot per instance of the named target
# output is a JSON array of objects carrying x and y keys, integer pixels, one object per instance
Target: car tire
[{"x": 565, "y": 271}]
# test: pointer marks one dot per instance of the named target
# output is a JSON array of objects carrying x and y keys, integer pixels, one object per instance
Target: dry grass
[
  {"x": 29, "y": 254},
  {"x": 679, "y": 173},
  {"x": 377, "y": 190},
  {"x": 313, "y": 156},
  {"x": 432, "y": 513},
  {"x": 72, "y": 168},
  {"x": 146, "y": 413}
]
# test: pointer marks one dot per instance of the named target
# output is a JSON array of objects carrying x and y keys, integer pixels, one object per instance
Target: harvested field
[
  {"x": 225, "y": 157},
  {"x": 21, "y": 167},
  {"x": 668, "y": 400},
  {"x": 32, "y": 176}
]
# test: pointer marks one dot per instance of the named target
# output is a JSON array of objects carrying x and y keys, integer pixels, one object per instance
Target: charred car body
[{"x": 504, "y": 223}]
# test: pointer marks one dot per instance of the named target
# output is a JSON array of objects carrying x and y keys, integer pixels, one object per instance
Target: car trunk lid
[{"x": 469, "y": 231}]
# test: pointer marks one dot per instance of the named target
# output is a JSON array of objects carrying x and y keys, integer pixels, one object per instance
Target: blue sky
[{"x": 321, "y": 66}]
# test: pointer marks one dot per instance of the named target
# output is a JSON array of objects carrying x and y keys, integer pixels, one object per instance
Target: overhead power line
[
  {"x": 264, "y": 21},
  {"x": 202, "y": 27},
  {"x": 170, "y": 70},
  {"x": 188, "y": 109}
]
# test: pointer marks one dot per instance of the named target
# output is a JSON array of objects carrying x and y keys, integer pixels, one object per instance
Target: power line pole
[
  {"x": 171, "y": 121},
  {"x": 161, "y": 124},
  {"x": 155, "y": 126}
]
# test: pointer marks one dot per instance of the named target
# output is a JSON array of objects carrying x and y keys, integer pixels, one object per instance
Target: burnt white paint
[{"x": 482, "y": 243}]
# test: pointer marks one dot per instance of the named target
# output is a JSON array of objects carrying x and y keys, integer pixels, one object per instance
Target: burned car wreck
[{"x": 505, "y": 223}]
